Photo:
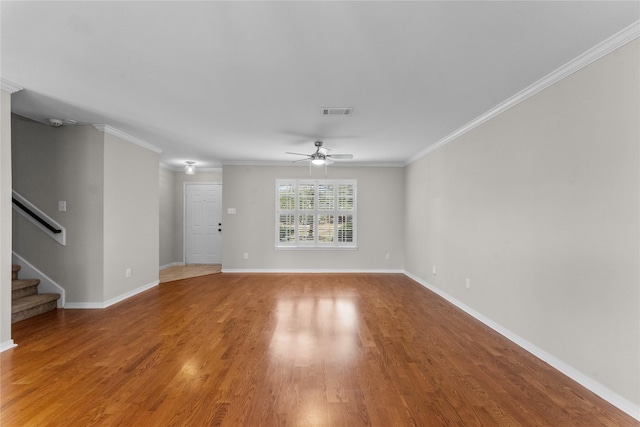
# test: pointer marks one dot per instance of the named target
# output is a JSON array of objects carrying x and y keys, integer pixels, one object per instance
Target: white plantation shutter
[
  {"x": 316, "y": 213},
  {"x": 346, "y": 210},
  {"x": 286, "y": 205}
]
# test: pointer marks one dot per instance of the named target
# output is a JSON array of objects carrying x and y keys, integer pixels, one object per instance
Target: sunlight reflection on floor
[{"x": 314, "y": 327}]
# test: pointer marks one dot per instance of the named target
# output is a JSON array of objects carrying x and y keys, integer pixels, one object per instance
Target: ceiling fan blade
[
  {"x": 297, "y": 154},
  {"x": 301, "y": 160},
  {"x": 324, "y": 150},
  {"x": 341, "y": 156}
]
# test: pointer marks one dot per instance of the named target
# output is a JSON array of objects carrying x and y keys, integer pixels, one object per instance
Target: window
[{"x": 316, "y": 213}]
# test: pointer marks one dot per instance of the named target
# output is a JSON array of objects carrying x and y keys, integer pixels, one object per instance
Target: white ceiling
[{"x": 233, "y": 82}]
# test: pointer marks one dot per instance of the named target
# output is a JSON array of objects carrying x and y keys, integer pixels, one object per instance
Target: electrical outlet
[
  {"x": 127, "y": 272},
  {"x": 388, "y": 256},
  {"x": 246, "y": 255}
]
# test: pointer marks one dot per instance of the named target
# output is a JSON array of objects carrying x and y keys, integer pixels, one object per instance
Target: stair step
[
  {"x": 23, "y": 283},
  {"x": 23, "y": 288},
  {"x": 32, "y": 305},
  {"x": 32, "y": 301},
  {"x": 14, "y": 271}
]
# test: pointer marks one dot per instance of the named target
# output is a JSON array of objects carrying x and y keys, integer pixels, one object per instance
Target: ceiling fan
[{"x": 321, "y": 156}]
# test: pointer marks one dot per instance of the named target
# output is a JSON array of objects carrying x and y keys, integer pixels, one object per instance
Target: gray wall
[
  {"x": 168, "y": 255},
  {"x": 131, "y": 216},
  {"x": 172, "y": 210},
  {"x": 5, "y": 219},
  {"x": 112, "y": 218},
  {"x": 52, "y": 164},
  {"x": 539, "y": 208},
  {"x": 251, "y": 191}
]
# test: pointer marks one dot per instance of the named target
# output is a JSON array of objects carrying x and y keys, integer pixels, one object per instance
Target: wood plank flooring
[{"x": 283, "y": 350}]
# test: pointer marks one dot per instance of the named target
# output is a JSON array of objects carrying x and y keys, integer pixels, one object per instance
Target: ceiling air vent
[{"x": 337, "y": 111}]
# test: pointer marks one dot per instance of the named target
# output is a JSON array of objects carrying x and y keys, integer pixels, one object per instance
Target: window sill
[{"x": 316, "y": 248}]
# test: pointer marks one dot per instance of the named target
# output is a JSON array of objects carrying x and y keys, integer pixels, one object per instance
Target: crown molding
[
  {"x": 198, "y": 169},
  {"x": 614, "y": 42},
  {"x": 9, "y": 87},
  {"x": 132, "y": 139},
  {"x": 181, "y": 168},
  {"x": 339, "y": 164}
]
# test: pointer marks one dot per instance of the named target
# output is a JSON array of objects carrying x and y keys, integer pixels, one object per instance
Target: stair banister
[{"x": 38, "y": 218}]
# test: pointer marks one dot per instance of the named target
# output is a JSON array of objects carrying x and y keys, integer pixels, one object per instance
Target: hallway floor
[{"x": 179, "y": 272}]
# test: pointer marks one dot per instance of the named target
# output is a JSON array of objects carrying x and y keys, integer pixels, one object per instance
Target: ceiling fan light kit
[{"x": 321, "y": 157}]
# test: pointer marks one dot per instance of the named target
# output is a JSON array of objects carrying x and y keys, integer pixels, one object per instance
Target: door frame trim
[{"x": 184, "y": 214}]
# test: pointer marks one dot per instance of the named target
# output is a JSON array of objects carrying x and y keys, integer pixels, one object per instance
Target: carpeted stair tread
[
  {"x": 14, "y": 271},
  {"x": 23, "y": 283},
  {"x": 25, "y": 303},
  {"x": 23, "y": 288}
]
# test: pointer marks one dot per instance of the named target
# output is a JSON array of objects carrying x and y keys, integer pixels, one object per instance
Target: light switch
[{"x": 62, "y": 206}]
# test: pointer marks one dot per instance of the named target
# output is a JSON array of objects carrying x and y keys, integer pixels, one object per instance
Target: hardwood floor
[{"x": 283, "y": 350}]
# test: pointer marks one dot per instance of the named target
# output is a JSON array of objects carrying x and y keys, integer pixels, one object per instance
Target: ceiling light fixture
[
  {"x": 318, "y": 159},
  {"x": 56, "y": 123},
  {"x": 190, "y": 169}
]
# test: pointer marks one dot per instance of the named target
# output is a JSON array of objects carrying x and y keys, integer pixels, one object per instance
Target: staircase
[{"x": 26, "y": 302}]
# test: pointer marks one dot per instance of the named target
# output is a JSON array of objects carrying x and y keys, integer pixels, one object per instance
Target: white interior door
[{"x": 203, "y": 223}]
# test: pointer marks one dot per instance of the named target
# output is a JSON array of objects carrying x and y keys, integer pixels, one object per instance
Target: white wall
[
  {"x": 52, "y": 164},
  {"x": 251, "y": 191},
  {"x": 5, "y": 220},
  {"x": 539, "y": 208},
  {"x": 131, "y": 217}
]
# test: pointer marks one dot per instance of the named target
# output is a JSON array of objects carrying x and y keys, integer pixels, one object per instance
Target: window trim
[{"x": 296, "y": 244}]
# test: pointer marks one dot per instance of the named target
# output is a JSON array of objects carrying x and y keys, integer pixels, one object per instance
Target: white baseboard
[
  {"x": 173, "y": 264},
  {"x": 7, "y": 345},
  {"x": 111, "y": 301},
  {"x": 303, "y": 271},
  {"x": 47, "y": 285},
  {"x": 131, "y": 293},
  {"x": 83, "y": 305},
  {"x": 615, "y": 399}
]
